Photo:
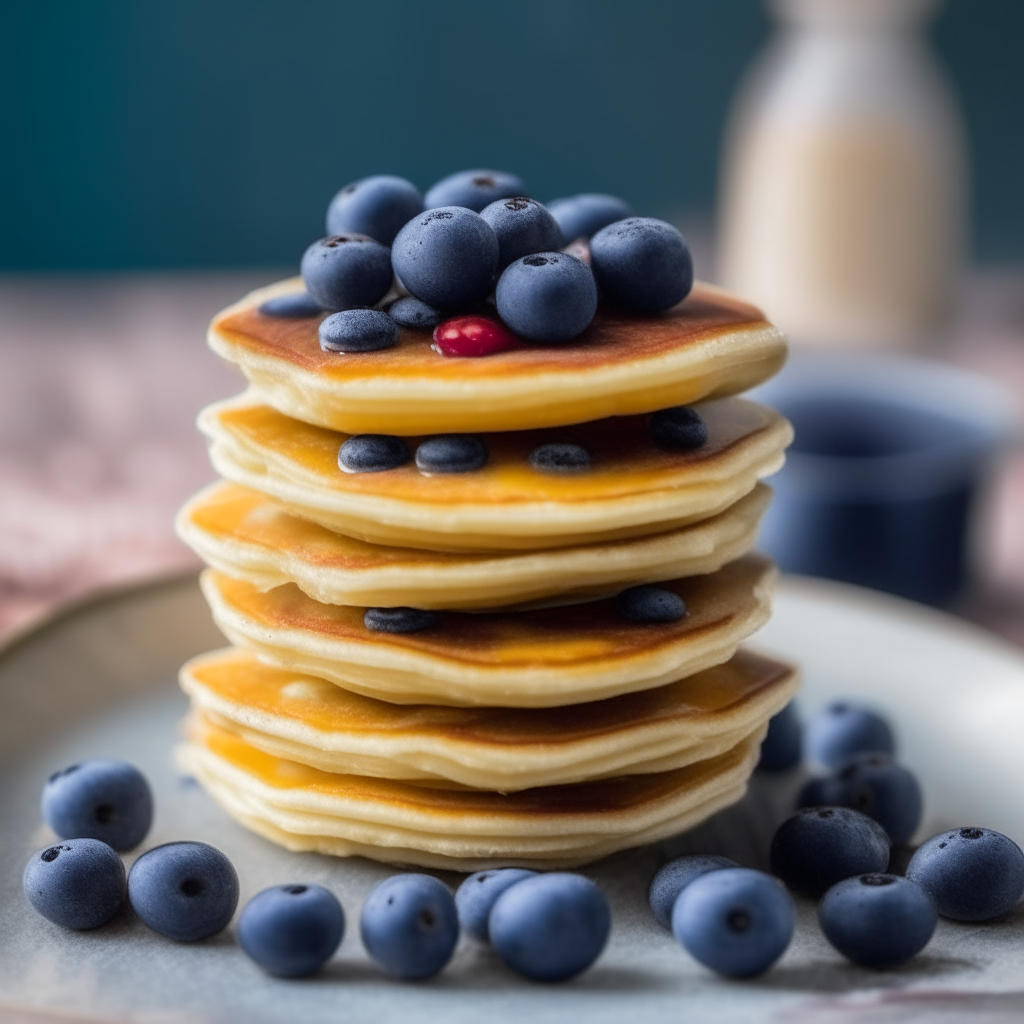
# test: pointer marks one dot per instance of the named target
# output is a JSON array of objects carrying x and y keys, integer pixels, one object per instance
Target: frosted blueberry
[
  {"x": 77, "y": 883},
  {"x": 101, "y": 799},
  {"x": 377, "y": 206}
]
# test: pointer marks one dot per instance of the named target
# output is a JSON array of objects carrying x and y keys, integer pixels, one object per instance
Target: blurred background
[{"x": 854, "y": 166}]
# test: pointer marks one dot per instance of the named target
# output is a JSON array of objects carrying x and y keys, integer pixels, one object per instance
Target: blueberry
[
  {"x": 736, "y": 921},
  {"x": 185, "y": 890},
  {"x": 679, "y": 429},
  {"x": 372, "y": 453},
  {"x": 642, "y": 263},
  {"x": 550, "y": 927},
  {"x": 584, "y": 215},
  {"x": 451, "y": 453},
  {"x": 560, "y": 458},
  {"x": 875, "y": 785},
  {"x": 347, "y": 271},
  {"x": 377, "y": 206},
  {"x": 399, "y": 620},
  {"x": 78, "y": 883},
  {"x": 409, "y": 925},
  {"x": 478, "y": 894},
  {"x": 101, "y": 799},
  {"x": 447, "y": 257},
  {"x": 675, "y": 876},
  {"x": 291, "y": 930},
  {"x": 522, "y": 227},
  {"x": 549, "y": 296},
  {"x": 293, "y": 307},
  {"x": 781, "y": 747},
  {"x": 473, "y": 189},
  {"x": 358, "y": 330},
  {"x": 652, "y": 605},
  {"x": 840, "y": 730},
  {"x": 414, "y": 313},
  {"x": 972, "y": 874},
  {"x": 819, "y": 846},
  {"x": 877, "y": 920}
]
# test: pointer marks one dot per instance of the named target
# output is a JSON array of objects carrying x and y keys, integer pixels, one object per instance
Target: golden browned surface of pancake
[
  {"x": 632, "y": 488},
  {"x": 304, "y": 808},
  {"x": 311, "y": 721},
  {"x": 712, "y": 344},
  {"x": 541, "y": 658},
  {"x": 253, "y": 537}
]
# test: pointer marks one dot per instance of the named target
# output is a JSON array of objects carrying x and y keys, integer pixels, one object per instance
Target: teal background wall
[{"x": 178, "y": 133}]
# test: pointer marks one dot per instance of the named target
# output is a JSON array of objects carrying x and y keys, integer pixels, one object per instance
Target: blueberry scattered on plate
[
  {"x": 102, "y": 799},
  {"x": 972, "y": 874},
  {"x": 186, "y": 891},
  {"x": 292, "y": 930},
  {"x": 842, "y": 729},
  {"x": 877, "y": 920},
  {"x": 347, "y": 271},
  {"x": 77, "y": 883},
  {"x": 736, "y": 921},
  {"x": 550, "y": 927},
  {"x": 672, "y": 878},
  {"x": 782, "y": 747},
  {"x": 876, "y": 785},
  {"x": 819, "y": 846},
  {"x": 377, "y": 206},
  {"x": 409, "y": 926},
  {"x": 476, "y": 896},
  {"x": 642, "y": 263}
]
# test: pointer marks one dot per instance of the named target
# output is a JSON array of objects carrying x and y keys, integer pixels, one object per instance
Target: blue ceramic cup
[{"x": 883, "y": 477}]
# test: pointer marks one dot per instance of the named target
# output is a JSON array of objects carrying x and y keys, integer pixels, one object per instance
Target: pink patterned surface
[{"x": 102, "y": 378}]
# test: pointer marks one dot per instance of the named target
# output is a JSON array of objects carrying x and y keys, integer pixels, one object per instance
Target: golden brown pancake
[
  {"x": 710, "y": 345},
  {"x": 311, "y": 721},
  {"x": 303, "y": 808},
  {"x": 542, "y": 658},
  {"x": 632, "y": 488},
  {"x": 255, "y": 538}
]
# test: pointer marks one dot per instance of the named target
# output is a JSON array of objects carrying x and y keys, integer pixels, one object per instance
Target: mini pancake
[
  {"x": 633, "y": 488},
  {"x": 305, "y": 809},
  {"x": 541, "y": 658},
  {"x": 255, "y": 538},
  {"x": 311, "y": 721},
  {"x": 710, "y": 345}
]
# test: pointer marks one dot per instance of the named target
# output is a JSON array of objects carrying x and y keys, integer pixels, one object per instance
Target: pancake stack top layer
[{"x": 452, "y": 669}]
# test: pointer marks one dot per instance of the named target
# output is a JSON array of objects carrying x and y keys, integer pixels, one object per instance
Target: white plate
[{"x": 98, "y": 680}]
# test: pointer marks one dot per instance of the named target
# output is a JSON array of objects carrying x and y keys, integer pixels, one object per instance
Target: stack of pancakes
[{"x": 531, "y": 721}]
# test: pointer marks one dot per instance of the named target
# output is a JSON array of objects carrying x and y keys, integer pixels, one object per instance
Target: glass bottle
[{"x": 843, "y": 183}]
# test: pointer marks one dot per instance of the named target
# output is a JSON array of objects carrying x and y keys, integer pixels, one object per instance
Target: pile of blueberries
[
  {"x": 551, "y": 927},
  {"x": 854, "y": 820},
  {"x": 473, "y": 240}
]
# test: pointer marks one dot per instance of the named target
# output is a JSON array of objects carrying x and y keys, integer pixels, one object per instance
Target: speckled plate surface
[{"x": 99, "y": 679}]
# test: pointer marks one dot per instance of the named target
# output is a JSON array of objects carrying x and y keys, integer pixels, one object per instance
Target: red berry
[{"x": 473, "y": 336}]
